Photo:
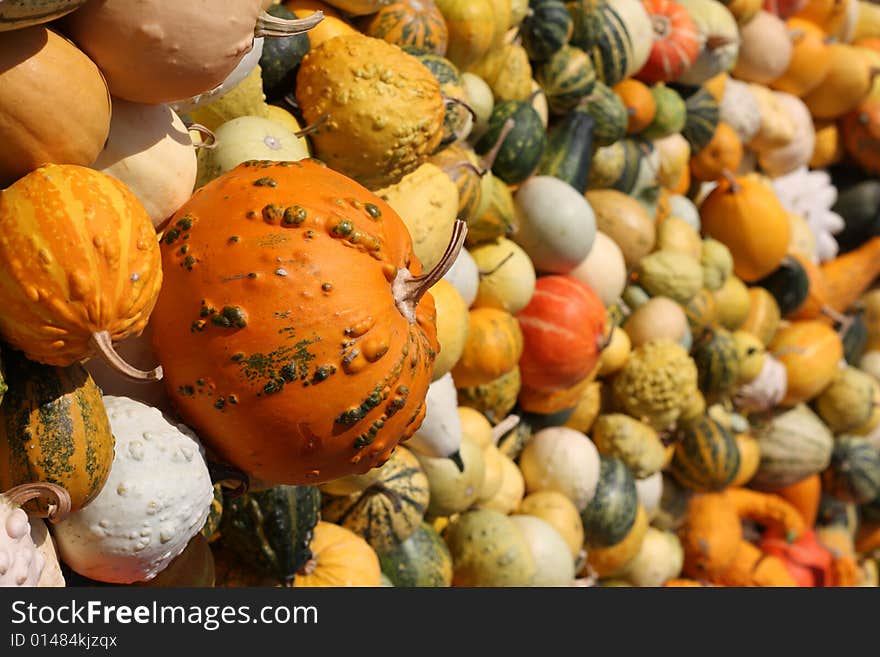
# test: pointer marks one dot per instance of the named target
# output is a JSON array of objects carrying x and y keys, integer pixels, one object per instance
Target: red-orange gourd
[
  {"x": 79, "y": 266},
  {"x": 860, "y": 130},
  {"x": 745, "y": 215},
  {"x": 563, "y": 329},
  {"x": 292, "y": 324}
]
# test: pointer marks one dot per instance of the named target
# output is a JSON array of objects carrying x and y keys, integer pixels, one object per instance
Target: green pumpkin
[
  {"x": 545, "y": 29},
  {"x": 272, "y": 529},
  {"x": 280, "y": 59},
  {"x": 717, "y": 360},
  {"x": 422, "y": 560},
  {"x": 522, "y": 149},
  {"x": 566, "y": 78},
  {"x": 706, "y": 457},
  {"x": 854, "y": 473},
  {"x": 671, "y": 113},
  {"x": 569, "y": 151},
  {"x": 789, "y": 285},
  {"x": 611, "y": 513},
  {"x": 608, "y": 112}
]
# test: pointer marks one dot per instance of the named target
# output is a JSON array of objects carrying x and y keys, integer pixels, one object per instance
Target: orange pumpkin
[
  {"x": 493, "y": 347},
  {"x": 340, "y": 558},
  {"x": 639, "y": 102},
  {"x": 860, "y": 130},
  {"x": 809, "y": 60},
  {"x": 744, "y": 214},
  {"x": 725, "y": 151},
  {"x": 810, "y": 351},
  {"x": 294, "y": 324},
  {"x": 79, "y": 266}
]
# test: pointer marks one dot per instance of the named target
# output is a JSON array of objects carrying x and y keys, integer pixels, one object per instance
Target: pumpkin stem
[
  {"x": 845, "y": 321},
  {"x": 483, "y": 274},
  {"x": 57, "y": 499},
  {"x": 455, "y": 136},
  {"x": 204, "y": 132},
  {"x": 719, "y": 41},
  {"x": 509, "y": 423},
  {"x": 103, "y": 345},
  {"x": 731, "y": 180},
  {"x": 464, "y": 164},
  {"x": 455, "y": 457},
  {"x": 272, "y": 26},
  {"x": 408, "y": 290},
  {"x": 309, "y": 129},
  {"x": 223, "y": 474},
  {"x": 489, "y": 158},
  {"x": 605, "y": 340}
]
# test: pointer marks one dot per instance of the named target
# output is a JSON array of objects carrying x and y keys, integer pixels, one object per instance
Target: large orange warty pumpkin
[{"x": 291, "y": 324}]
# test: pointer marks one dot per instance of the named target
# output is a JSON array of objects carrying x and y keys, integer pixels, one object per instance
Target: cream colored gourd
[
  {"x": 798, "y": 152},
  {"x": 151, "y": 152},
  {"x": 650, "y": 493},
  {"x": 557, "y": 226},
  {"x": 659, "y": 317},
  {"x": 156, "y": 498},
  {"x": 510, "y": 494},
  {"x": 720, "y": 34},
  {"x": 848, "y": 401},
  {"x": 452, "y": 326},
  {"x": 604, "y": 269},
  {"x": 427, "y": 201},
  {"x": 558, "y": 511},
  {"x": 681, "y": 207},
  {"x": 678, "y": 235},
  {"x": 51, "y": 577},
  {"x": 766, "y": 391},
  {"x": 625, "y": 221},
  {"x": 739, "y": 109},
  {"x": 465, "y": 277},
  {"x": 493, "y": 474},
  {"x": 777, "y": 127},
  {"x": 507, "y": 276},
  {"x": 870, "y": 363},
  {"x": 439, "y": 435},
  {"x": 675, "y": 275},
  {"x": 248, "y": 138},
  {"x": 554, "y": 563},
  {"x": 481, "y": 100},
  {"x": 475, "y": 427},
  {"x": 21, "y": 563},
  {"x": 633, "y": 442},
  {"x": 242, "y": 70},
  {"x": 765, "y": 49},
  {"x": 674, "y": 153},
  {"x": 453, "y": 490},
  {"x": 659, "y": 560},
  {"x": 716, "y": 262},
  {"x": 564, "y": 460},
  {"x": 488, "y": 549},
  {"x": 155, "y": 52}
]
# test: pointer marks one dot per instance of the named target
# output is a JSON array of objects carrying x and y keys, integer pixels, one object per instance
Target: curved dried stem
[
  {"x": 731, "y": 180},
  {"x": 272, "y": 26},
  {"x": 102, "y": 345},
  {"x": 464, "y": 164},
  {"x": 717, "y": 41},
  {"x": 408, "y": 290},
  {"x": 503, "y": 262},
  {"x": 489, "y": 158},
  {"x": 55, "y": 498},
  {"x": 455, "y": 457},
  {"x": 506, "y": 425},
  {"x": 228, "y": 474},
  {"x": 204, "y": 132},
  {"x": 309, "y": 129}
]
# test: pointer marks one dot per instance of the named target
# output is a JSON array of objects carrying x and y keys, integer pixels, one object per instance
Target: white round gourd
[
  {"x": 683, "y": 208},
  {"x": 555, "y": 566},
  {"x": 21, "y": 563},
  {"x": 604, "y": 269},
  {"x": 650, "y": 491},
  {"x": 564, "y": 460},
  {"x": 510, "y": 493},
  {"x": 465, "y": 276},
  {"x": 557, "y": 226},
  {"x": 149, "y": 150},
  {"x": 481, "y": 100},
  {"x": 440, "y": 434},
  {"x": 798, "y": 152},
  {"x": 156, "y": 498},
  {"x": 765, "y": 49},
  {"x": 659, "y": 560},
  {"x": 248, "y": 138},
  {"x": 739, "y": 109}
]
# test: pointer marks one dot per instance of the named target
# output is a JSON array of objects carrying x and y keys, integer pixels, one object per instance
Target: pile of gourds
[{"x": 440, "y": 293}]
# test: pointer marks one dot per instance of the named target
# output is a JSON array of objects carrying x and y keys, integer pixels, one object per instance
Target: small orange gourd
[
  {"x": 724, "y": 152},
  {"x": 493, "y": 347},
  {"x": 860, "y": 132},
  {"x": 849, "y": 275},
  {"x": 810, "y": 350},
  {"x": 804, "y": 495},
  {"x": 745, "y": 215},
  {"x": 639, "y": 102},
  {"x": 295, "y": 324}
]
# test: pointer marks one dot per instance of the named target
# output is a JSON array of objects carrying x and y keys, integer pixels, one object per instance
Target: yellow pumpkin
[
  {"x": 475, "y": 427},
  {"x": 810, "y": 351},
  {"x": 340, "y": 558},
  {"x": 764, "y": 315},
  {"x": 744, "y": 214}
]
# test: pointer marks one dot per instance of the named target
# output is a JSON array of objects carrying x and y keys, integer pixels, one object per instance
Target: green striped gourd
[
  {"x": 609, "y": 114},
  {"x": 854, "y": 473},
  {"x": 499, "y": 217},
  {"x": 617, "y": 36},
  {"x": 545, "y": 29},
  {"x": 459, "y": 162},
  {"x": 422, "y": 560},
  {"x": 794, "y": 444},
  {"x": 457, "y": 118},
  {"x": 611, "y": 513},
  {"x": 566, "y": 77},
  {"x": 717, "y": 360},
  {"x": 53, "y": 428},
  {"x": 390, "y": 509},
  {"x": 703, "y": 114},
  {"x": 272, "y": 529},
  {"x": 521, "y": 151},
  {"x": 569, "y": 150},
  {"x": 706, "y": 457}
]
